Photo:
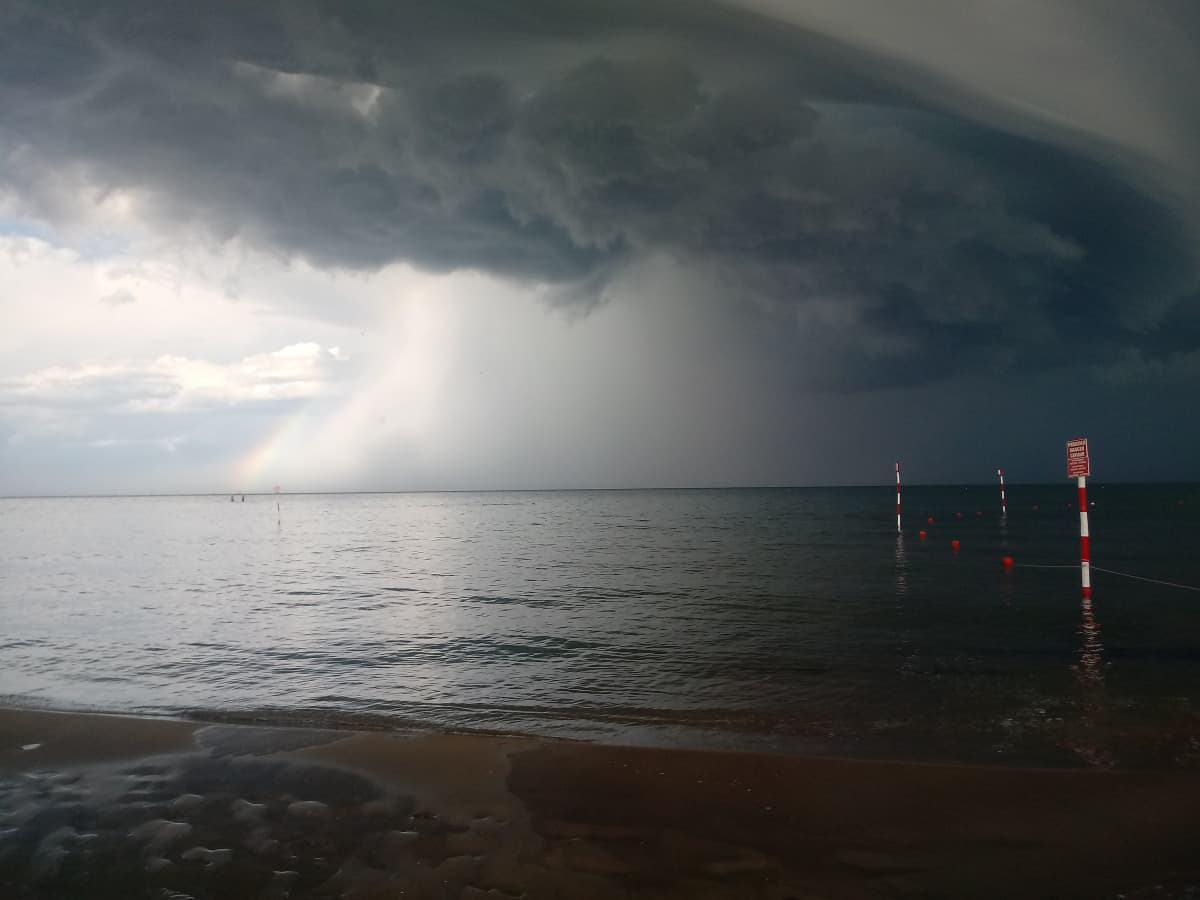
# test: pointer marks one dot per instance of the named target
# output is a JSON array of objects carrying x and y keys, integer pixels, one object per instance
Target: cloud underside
[{"x": 891, "y": 239}]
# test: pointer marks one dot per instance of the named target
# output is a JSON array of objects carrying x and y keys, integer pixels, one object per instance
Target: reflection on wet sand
[{"x": 232, "y": 811}]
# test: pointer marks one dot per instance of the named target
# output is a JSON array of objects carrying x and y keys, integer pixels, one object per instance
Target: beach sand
[{"x": 116, "y": 807}]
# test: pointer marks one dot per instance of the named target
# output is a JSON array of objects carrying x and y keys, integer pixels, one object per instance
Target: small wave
[
  {"x": 18, "y": 644},
  {"x": 502, "y": 718},
  {"x": 505, "y": 601}
]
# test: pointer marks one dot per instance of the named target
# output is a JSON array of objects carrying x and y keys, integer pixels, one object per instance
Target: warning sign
[{"x": 1077, "y": 458}]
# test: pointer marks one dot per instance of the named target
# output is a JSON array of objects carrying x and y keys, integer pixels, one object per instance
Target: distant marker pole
[
  {"x": 897, "y": 496},
  {"x": 1003, "y": 501},
  {"x": 1079, "y": 467},
  {"x": 278, "y": 514}
]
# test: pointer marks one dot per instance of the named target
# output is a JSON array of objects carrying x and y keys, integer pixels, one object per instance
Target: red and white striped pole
[
  {"x": 1085, "y": 549},
  {"x": 897, "y": 496},
  {"x": 1079, "y": 467},
  {"x": 1003, "y": 501}
]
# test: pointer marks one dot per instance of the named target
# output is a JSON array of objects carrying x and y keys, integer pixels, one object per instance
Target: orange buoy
[
  {"x": 1008, "y": 562},
  {"x": 954, "y": 545},
  {"x": 922, "y": 535}
]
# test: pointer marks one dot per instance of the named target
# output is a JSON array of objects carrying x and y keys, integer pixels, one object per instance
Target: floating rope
[{"x": 1174, "y": 584}]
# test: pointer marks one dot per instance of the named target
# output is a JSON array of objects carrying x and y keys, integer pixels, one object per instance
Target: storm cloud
[{"x": 851, "y": 199}]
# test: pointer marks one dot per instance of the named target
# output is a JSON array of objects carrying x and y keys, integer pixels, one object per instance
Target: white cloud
[
  {"x": 167, "y": 444},
  {"x": 119, "y": 297},
  {"x": 51, "y": 317},
  {"x": 176, "y": 383}
]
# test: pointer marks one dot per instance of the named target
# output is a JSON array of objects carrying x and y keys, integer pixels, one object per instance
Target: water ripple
[{"x": 728, "y": 618}]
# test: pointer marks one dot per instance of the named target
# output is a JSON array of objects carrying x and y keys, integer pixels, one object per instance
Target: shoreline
[
  {"x": 394, "y": 728},
  {"x": 1178, "y": 747},
  {"x": 215, "y": 809}
]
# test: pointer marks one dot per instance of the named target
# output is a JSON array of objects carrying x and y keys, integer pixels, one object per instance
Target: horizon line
[{"x": 1067, "y": 482}]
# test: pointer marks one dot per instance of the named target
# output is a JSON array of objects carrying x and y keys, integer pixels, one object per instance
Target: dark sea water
[{"x": 789, "y": 619}]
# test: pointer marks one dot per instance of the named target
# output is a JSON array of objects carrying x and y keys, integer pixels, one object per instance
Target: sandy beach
[{"x": 106, "y": 806}]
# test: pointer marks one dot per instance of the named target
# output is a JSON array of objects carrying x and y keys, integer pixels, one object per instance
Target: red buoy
[
  {"x": 922, "y": 535},
  {"x": 931, "y": 520},
  {"x": 954, "y": 545},
  {"x": 958, "y": 515},
  {"x": 980, "y": 514},
  {"x": 1008, "y": 562},
  {"x": 1035, "y": 507}
]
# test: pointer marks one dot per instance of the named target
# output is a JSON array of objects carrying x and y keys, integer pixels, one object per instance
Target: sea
[{"x": 780, "y": 620}]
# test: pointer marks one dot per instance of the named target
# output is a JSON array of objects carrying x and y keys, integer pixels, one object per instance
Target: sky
[{"x": 595, "y": 243}]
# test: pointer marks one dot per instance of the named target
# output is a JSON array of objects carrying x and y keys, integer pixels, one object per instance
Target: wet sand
[{"x": 113, "y": 807}]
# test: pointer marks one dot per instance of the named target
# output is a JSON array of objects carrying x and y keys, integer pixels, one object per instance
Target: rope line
[
  {"x": 1174, "y": 584},
  {"x": 1185, "y": 587}
]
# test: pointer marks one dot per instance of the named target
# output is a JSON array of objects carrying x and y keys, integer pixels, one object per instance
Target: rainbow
[{"x": 259, "y": 468}]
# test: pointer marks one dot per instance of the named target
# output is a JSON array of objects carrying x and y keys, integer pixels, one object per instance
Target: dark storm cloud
[{"x": 887, "y": 238}]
